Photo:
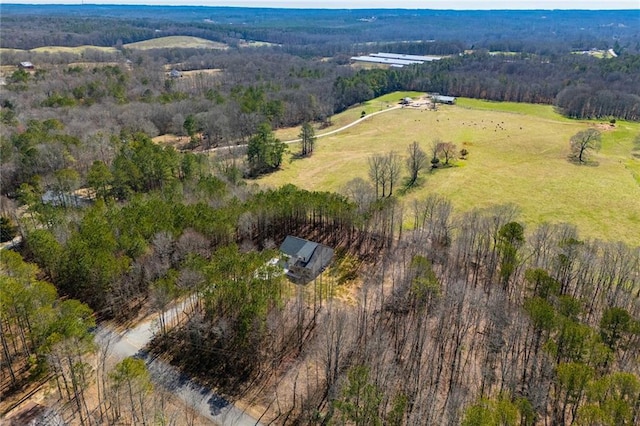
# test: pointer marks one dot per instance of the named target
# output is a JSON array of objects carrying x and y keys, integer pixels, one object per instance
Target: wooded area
[{"x": 426, "y": 316}]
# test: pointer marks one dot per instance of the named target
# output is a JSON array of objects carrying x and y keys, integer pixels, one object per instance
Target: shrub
[{"x": 7, "y": 230}]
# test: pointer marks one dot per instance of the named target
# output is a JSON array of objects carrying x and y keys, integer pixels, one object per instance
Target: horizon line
[{"x": 179, "y": 5}]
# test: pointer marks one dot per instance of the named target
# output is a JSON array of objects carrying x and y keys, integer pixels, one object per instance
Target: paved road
[{"x": 132, "y": 343}]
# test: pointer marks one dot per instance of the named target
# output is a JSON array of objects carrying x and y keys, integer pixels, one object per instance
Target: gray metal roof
[
  {"x": 294, "y": 246},
  {"x": 421, "y": 58},
  {"x": 388, "y": 61},
  {"x": 441, "y": 98}
]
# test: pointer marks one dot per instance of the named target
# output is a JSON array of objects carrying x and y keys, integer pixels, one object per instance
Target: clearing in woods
[
  {"x": 173, "y": 42},
  {"x": 77, "y": 50},
  {"x": 517, "y": 154}
]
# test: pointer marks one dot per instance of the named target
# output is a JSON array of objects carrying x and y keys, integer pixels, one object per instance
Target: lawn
[
  {"x": 183, "y": 42},
  {"x": 517, "y": 154}
]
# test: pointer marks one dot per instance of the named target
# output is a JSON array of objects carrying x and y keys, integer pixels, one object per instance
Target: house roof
[
  {"x": 26, "y": 64},
  {"x": 298, "y": 247}
]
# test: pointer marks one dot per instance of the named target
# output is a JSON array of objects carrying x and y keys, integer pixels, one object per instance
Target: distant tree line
[
  {"x": 324, "y": 32},
  {"x": 580, "y": 86}
]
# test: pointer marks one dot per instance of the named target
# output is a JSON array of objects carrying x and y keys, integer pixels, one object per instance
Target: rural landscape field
[
  {"x": 518, "y": 153},
  {"x": 289, "y": 216}
]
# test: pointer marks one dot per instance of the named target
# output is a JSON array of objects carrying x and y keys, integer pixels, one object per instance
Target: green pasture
[
  {"x": 352, "y": 114},
  {"x": 517, "y": 154},
  {"x": 176, "y": 42}
]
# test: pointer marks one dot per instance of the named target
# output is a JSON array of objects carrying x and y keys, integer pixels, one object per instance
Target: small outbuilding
[
  {"x": 450, "y": 100},
  {"x": 304, "y": 260},
  {"x": 26, "y": 65},
  {"x": 175, "y": 74}
]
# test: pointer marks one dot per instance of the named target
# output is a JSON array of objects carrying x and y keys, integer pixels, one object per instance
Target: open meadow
[
  {"x": 76, "y": 50},
  {"x": 175, "y": 42},
  {"x": 517, "y": 154}
]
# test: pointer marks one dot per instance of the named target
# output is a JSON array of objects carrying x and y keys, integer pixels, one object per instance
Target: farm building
[
  {"x": 26, "y": 65},
  {"x": 304, "y": 260},
  {"x": 419, "y": 58},
  {"x": 175, "y": 74},
  {"x": 384, "y": 61},
  {"x": 450, "y": 100},
  {"x": 398, "y": 60}
]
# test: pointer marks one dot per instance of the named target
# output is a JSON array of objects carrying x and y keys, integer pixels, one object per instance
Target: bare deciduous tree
[
  {"x": 393, "y": 167},
  {"x": 582, "y": 143},
  {"x": 377, "y": 173},
  {"x": 416, "y": 161},
  {"x": 360, "y": 192},
  {"x": 446, "y": 151}
]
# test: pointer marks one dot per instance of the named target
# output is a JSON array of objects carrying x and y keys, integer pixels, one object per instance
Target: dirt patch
[
  {"x": 175, "y": 141},
  {"x": 90, "y": 65},
  {"x": 605, "y": 127},
  {"x": 210, "y": 71}
]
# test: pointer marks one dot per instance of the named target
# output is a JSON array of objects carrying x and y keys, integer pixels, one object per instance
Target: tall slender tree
[
  {"x": 416, "y": 161},
  {"x": 307, "y": 139}
]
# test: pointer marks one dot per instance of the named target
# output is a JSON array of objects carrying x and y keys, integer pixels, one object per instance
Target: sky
[{"x": 372, "y": 4}]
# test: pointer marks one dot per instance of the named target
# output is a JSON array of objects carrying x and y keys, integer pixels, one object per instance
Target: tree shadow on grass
[
  {"x": 589, "y": 163},
  {"x": 297, "y": 156},
  {"x": 408, "y": 186}
]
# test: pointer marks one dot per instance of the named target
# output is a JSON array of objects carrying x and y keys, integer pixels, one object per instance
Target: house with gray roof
[{"x": 304, "y": 260}]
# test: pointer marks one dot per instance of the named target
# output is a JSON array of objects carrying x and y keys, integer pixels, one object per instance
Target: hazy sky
[{"x": 353, "y": 4}]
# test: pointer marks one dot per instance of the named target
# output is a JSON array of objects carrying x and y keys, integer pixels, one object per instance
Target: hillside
[{"x": 175, "y": 42}]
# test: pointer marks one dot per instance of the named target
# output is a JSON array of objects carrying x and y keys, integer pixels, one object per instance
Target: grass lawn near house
[{"x": 517, "y": 154}]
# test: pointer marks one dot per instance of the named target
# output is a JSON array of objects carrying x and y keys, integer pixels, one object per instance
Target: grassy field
[
  {"x": 255, "y": 43},
  {"x": 77, "y": 50},
  {"x": 195, "y": 73},
  {"x": 180, "y": 42},
  {"x": 349, "y": 116},
  {"x": 517, "y": 154}
]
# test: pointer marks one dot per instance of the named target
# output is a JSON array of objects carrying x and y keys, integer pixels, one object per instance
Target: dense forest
[
  {"x": 531, "y": 325},
  {"x": 321, "y": 30},
  {"x": 461, "y": 318}
]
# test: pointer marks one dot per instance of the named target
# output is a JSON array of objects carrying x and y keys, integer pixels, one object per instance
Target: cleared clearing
[
  {"x": 255, "y": 43},
  {"x": 77, "y": 50},
  {"x": 517, "y": 154},
  {"x": 176, "y": 42},
  {"x": 195, "y": 73}
]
